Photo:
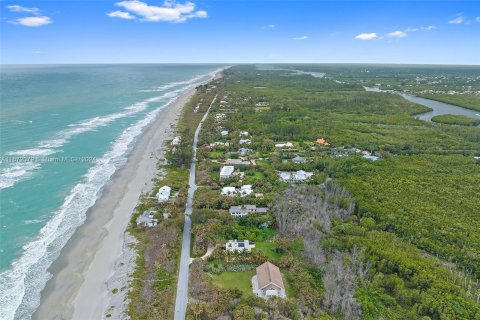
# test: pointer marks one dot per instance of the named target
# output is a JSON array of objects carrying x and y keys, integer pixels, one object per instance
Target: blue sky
[{"x": 225, "y": 31}]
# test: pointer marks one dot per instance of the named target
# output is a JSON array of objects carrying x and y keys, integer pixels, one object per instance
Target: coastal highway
[{"x": 182, "y": 285}]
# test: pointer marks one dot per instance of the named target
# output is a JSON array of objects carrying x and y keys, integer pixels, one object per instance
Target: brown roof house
[{"x": 268, "y": 282}]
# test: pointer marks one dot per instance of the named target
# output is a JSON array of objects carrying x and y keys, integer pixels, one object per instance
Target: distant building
[
  {"x": 147, "y": 220},
  {"x": 163, "y": 194},
  {"x": 322, "y": 142},
  {"x": 239, "y": 246},
  {"x": 299, "y": 176},
  {"x": 268, "y": 282},
  {"x": 245, "y": 141},
  {"x": 261, "y": 104},
  {"x": 237, "y": 162},
  {"x": 226, "y": 172},
  {"x": 244, "y": 151},
  {"x": 243, "y": 133},
  {"x": 298, "y": 159},
  {"x": 219, "y": 143},
  {"x": 245, "y": 190},
  {"x": 244, "y": 210},
  {"x": 176, "y": 141},
  {"x": 197, "y": 108},
  {"x": 284, "y": 145}
]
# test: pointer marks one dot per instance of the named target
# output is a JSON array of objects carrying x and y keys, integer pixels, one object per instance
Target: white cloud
[
  {"x": 397, "y": 34},
  {"x": 121, "y": 15},
  {"x": 269, "y": 26},
  {"x": 367, "y": 36},
  {"x": 300, "y": 38},
  {"x": 459, "y": 19},
  {"x": 17, "y": 8},
  {"x": 33, "y": 21},
  {"x": 169, "y": 11}
]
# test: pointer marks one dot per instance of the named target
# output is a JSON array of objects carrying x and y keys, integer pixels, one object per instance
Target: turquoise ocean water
[{"x": 64, "y": 130}]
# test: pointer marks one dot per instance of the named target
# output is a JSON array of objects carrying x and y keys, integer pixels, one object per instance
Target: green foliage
[{"x": 455, "y": 119}]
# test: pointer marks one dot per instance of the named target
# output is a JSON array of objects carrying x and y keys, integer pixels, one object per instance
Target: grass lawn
[
  {"x": 235, "y": 280},
  {"x": 268, "y": 248}
]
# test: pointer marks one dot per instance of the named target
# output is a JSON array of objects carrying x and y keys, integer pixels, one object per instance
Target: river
[{"x": 436, "y": 106}]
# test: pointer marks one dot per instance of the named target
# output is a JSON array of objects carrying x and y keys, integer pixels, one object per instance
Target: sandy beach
[{"x": 79, "y": 288}]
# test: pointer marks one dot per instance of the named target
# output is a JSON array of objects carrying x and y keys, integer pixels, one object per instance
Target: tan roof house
[{"x": 268, "y": 282}]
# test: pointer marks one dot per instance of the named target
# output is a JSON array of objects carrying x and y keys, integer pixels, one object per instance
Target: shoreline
[{"x": 79, "y": 287}]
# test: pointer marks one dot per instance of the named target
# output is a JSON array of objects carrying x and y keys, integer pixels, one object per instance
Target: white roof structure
[
  {"x": 284, "y": 145},
  {"x": 229, "y": 191},
  {"x": 224, "y": 133},
  {"x": 176, "y": 141},
  {"x": 245, "y": 141},
  {"x": 298, "y": 176},
  {"x": 163, "y": 194},
  {"x": 226, "y": 172}
]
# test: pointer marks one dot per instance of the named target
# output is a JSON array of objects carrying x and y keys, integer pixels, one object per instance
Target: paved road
[{"x": 182, "y": 285}]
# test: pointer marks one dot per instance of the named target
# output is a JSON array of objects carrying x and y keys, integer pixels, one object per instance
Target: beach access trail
[{"x": 182, "y": 285}]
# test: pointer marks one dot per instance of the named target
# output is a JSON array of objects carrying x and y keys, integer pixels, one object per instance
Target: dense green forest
[{"x": 395, "y": 238}]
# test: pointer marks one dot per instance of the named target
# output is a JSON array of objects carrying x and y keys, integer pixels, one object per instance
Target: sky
[{"x": 229, "y": 31}]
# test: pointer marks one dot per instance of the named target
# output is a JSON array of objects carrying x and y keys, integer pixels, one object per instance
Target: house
[
  {"x": 219, "y": 117},
  {"x": 370, "y": 157},
  {"x": 218, "y": 143},
  {"x": 284, "y": 145},
  {"x": 243, "y": 133},
  {"x": 197, "y": 108},
  {"x": 226, "y": 172},
  {"x": 163, "y": 194},
  {"x": 176, "y": 141},
  {"x": 239, "y": 245},
  {"x": 237, "y": 162},
  {"x": 224, "y": 133},
  {"x": 261, "y": 104},
  {"x": 268, "y": 282},
  {"x": 244, "y": 151},
  {"x": 147, "y": 220},
  {"x": 229, "y": 191},
  {"x": 245, "y": 141},
  {"x": 244, "y": 210},
  {"x": 299, "y": 176},
  {"x": 243, "y": 191},
  {"x": 298, "y": 159},
  {"x": 322, "y": 142}
]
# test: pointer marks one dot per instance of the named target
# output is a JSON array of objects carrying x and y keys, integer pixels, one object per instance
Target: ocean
[{"x": 64, "y": 131}]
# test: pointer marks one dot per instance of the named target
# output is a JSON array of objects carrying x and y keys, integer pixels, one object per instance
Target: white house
[
  {"x": 229, "y": 191},
  {"x": 284, "y": 145},
  {"x": 176, "y": 141},
  {"x": 146, "y": 220},
  {"x": 244, "y": 210},
  {"x": 163, "y": 194},
  {"x": 226, "y": 172},
  {"x": 224, "y": 133},
  {"x": 239, "y": 245},
  {"x": 243, "y": 133},
  {"x": 299, "y": 176},
  {"x": 245, "y": 190},
  {"x": 219, "y": 143},
  {"x": 261, "y": 104},
  {"x": 245, "y": 141}
]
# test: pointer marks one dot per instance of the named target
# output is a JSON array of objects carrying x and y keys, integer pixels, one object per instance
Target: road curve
[{"x": 182, "y": 285}]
